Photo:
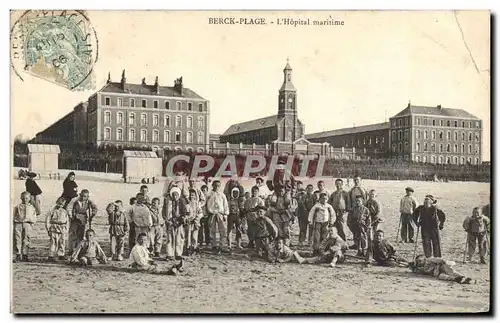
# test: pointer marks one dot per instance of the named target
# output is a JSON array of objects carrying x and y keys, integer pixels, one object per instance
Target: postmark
[{"x": 59, "y": 46}]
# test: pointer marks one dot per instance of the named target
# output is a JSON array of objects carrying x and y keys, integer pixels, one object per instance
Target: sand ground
[{"x": 239, "y": 283}]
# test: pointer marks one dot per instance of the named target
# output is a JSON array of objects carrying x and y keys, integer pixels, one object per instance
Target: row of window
[
  {"x": 448, "y": 148},
  {"x": 156, "y": 120},
  {"x": 448, "y": 160},
  {"x": 156, "y": 104},
  {"x": 405, "y": 121},
  {"x": 403, "y": 135},
  {"x": 367, "y": 141},
  {"x": 155, "y": 137}
]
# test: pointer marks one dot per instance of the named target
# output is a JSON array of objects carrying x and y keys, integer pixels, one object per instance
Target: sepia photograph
[{"x": 250, "y": 162}]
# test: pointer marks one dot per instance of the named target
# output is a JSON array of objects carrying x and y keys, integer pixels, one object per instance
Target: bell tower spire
[{"x": 287, "y": 107}]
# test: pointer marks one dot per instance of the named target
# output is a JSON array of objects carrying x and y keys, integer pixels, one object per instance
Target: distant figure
[
  {"x": 476, "y": 228},
  {"x": 407, "y": 207},
  {"x": 35, "y": 191},
  {"x": 70, "y": 188}
]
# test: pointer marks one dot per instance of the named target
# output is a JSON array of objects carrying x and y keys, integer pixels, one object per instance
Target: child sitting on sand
[{"x": 88, "y": 251}]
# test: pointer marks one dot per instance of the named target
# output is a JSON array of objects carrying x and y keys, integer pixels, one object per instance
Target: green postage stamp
[{"x": 59, "y": 46}]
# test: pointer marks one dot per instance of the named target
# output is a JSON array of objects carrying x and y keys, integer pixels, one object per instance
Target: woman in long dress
[{"x": 70, "y": 188}]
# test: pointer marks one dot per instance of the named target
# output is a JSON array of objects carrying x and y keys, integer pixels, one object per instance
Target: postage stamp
[{"x": 59, "y": 46}]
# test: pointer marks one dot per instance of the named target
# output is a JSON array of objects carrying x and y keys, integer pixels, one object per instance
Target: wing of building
[{"x": 137, "y": 115}]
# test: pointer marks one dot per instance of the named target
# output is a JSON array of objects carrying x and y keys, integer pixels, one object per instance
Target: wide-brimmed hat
[
  {"x": 175, "y": 189},
  {"x": 409, "y": 189}
]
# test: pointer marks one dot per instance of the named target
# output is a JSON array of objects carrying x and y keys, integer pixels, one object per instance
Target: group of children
[{"x": 191, "y": 217}]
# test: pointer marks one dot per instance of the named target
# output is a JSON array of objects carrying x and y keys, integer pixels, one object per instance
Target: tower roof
[{"x": 287, "y": 67}]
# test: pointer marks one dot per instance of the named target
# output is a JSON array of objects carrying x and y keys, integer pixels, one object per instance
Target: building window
[
  {"x": 441, "y": 135},
  {"x": 448, "y": 135},
  {"x": 178, "y": 103},
  {"x": 456, "y": 136},
  {"x": 448, "y": 123},
  {"x": 131, "y": 135},
  {"x": 440, "y": 159},
  {"x": 156, "y": 120},
  {"x": 144, "y": 103},
  {"x": 189, "y": 122},
  {"x": 200, "y": 107},
  {"x": 463, "y": 135},
  {"x": 470, "y": 136},
  {"x": 441, "y": 123},
  {"x": 463, "y": 149},
  {"x": 476, "y": 161},
  {"x": 455, "y": 124},
  {"x": 433, "y": 122},
  {"x": 424, "y": 159},
  {"x": 463, "y": 124},
  {"x": 131, "y": 119},
  {"x": 189, "y": 137},
  {"x": 107, "y": 133},
  {"x": 455, "y": 160},
  {"x": 470, "y": 124},
  {"x": 394, "y": 135},
  {"x": 167, "y": 105},
  {"x": 448, "y": 148},
  {"x": 144, "y": 135},
  {"x": 425, "y": 122},
  {"x": 119, "y": 134},
  {"x": 476, "y": 149},
  {"x": 469, "y": 160},
  {"x": 400, "y": 135},
  {"x": 406, "y": 134},
  {"x": 440, "y": 148},
  {"x": 107, "y": 101},
  {"x": 178, "y": 121},
  {"x": 119, "y": 117},
  {"x": 470, "y": 149},
  {"x": 156, "y": 135},
  {"x": 455, "y": 148},
  {"x": 462, "y": 160},
  {"x": 200, "y": 137},
  {"x": 433, "y": 135},
  {"x": 393, "y": 123},
  {"x": 166, "y": 136},
  {"x": 425, "y": 135},
  {"x": 417, "y": 134},
  {"x": 393, "y": 148},
  {"x": 406, "y": 145},
  {"x": 177, "y": 136},
  {"x": 433, "y": 147},
  {"x": 144, "y": 119},
  {"x": 477, "y": 124},
  {"x": 433, "y": 159},
  {"x": 119, "y": 102},
  {"x": 132, "y": 103},
  {"x": 400, "y": 147},
  {"x": 201, "y": 122},
  {"x": 166, "y": 120},
  {"x": 190, "y": 106},
  {"x": 155, "y": 104},
  {"x": 107, "y": 117},
  {"x": 399, "y": 122},
  {"x": 425, "y": 146},
  {"x": 417, "y": 159},
  {"x": 477, "y": 136}
]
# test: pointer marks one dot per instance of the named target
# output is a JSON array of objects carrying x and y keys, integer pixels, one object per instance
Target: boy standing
[
  {"x": 407, "y": 208},
  {"x": 234, "y": 219},
  {"x": 204, "y": 231},
  {"x": 338, "y": 200},
  {"x": 24, "y": 220},
  {"x": 476, "y": 227},
  {"x": 321, "y": 217},
  {"x": 218, "y": 211},
  {"x": 431, "y": 220},
  {"x": 356, "y": 191},
  {"x": 145, "y": 190},
  {"x": 141, "y": 216},
  {"x": 177, "y": 209},
  {"x": 81, "y": 210},
  {"x": 374, "y": 208},
  {"x": 305, "y": 202},
  {"x": 131, "y": 234},
  {"x": 193, "y": 223},
  {"x": 279, "y": 212},
  {"x": 118, "y": 228},
  {"x": 357, "y": 221},
  {"x": 252, "y": 213},
  {"x": 157, "y": 227},
  {"x": 56, "y": 224},
  {"x": 88, "y": 251}
]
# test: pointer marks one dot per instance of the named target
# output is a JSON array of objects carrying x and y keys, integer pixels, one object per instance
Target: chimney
[
  {"x": 157, "y": 86},
  {"x": 178, "y": 85},
  {"x": 409, "y": 103},
  {"x": 143, "y": 81},
  {"x": 123, "y": 80},
  {"x": 439, "y": 106},
  {"x": 109, "y": 78}
]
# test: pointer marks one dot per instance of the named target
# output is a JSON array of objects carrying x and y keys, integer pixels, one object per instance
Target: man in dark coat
[{"x": 431, "y": 220}]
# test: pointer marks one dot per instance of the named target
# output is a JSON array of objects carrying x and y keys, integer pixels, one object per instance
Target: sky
[{"x": 360, "y": 73}]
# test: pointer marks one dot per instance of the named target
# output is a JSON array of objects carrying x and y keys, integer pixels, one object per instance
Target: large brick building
[
  {"x": 137, "y": 115},
  {"x": 436, "y": 135}
]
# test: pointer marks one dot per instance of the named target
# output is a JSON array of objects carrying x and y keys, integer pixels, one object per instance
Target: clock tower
[{"x": 287, "y": 108}]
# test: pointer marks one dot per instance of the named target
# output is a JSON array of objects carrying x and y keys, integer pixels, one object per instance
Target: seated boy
[
  {"x": 436, "y": 267},
  {"x": 88, "y": 251},
  {"x": 141, "y": 259},
  {"x": 384, "y": 253},
  {"x": 331, "y": 250}
]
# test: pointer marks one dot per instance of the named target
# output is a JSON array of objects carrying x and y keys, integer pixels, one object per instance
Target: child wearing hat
[
  {"x": 476, "y": 227},
  {"x": 431, "y": 220},
  {"x": 407, "y": 207}
]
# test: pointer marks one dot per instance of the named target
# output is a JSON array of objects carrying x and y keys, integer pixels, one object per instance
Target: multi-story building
[
  {"x": 436, "y": 135},
  {"x": 370, "y": 140},
  {"x": 141, "y": 115}
]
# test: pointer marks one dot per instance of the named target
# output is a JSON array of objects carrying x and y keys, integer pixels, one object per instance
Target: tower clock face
[{"x": 290, "y": 99}]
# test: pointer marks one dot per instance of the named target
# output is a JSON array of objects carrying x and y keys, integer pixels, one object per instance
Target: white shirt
[
  {"x": 140, "y": 255},
  {"x": 217, "y": 203},
  {"x": 321, "y": 213}
]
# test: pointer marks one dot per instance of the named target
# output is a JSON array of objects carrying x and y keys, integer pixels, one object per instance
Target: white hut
[
  {"x": 141, "y": 165},
  {"x": 43, "y": 159}
]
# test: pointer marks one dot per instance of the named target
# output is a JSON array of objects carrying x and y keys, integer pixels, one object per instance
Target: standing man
[
  {"x": 321, "y": 217},
  {"x": 141, "y": 216},
  {"x": 176, "y": 212},
  {"x": 279, "y": 212},
  {"x": 338, "y": 200},
  {"x": 407, "y": 208},
  {"x": 80, "y": 210},
  {"x": 218, "y": 210},
  {"x": 305, "y": 201},
  {"x": 356, "y": 191},
  {"x": 431, "y": 220}
]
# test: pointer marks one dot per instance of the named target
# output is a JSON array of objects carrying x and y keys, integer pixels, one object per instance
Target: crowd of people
[{"x": 188, "y": 218}]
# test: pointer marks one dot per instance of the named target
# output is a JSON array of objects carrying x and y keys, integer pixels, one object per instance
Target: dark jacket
[
  {"x": 32, "y": 187},
  {"x": 429, "y": 218}
]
